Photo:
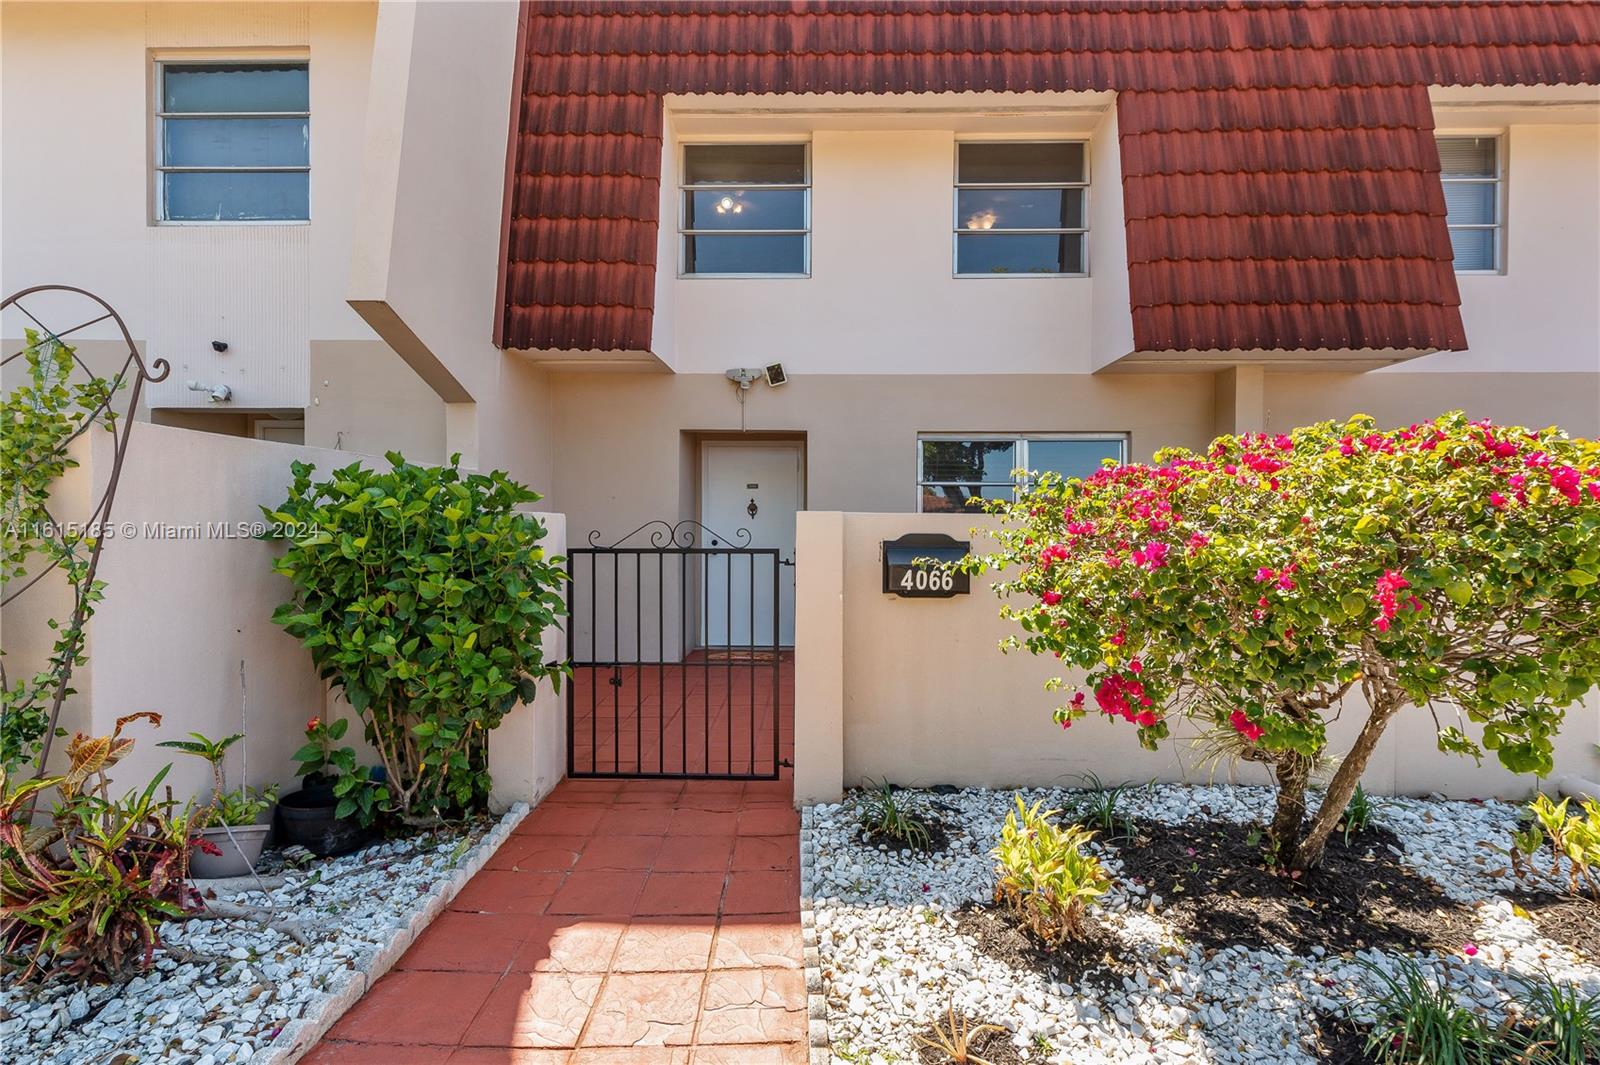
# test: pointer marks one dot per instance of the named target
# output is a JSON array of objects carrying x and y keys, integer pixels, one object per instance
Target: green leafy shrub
[
  {"x": 1043, "y": 874},
  {"x": 1252, "y": 588},
  {"x": 886, "y": 819},
  {"x": 84, "y": 895},
  {"x": 1574, "y": 837},
  {"x": 358, "y": 794},
  {"x": 41, "y": 417},
  {"x": 423, "y": 595}
]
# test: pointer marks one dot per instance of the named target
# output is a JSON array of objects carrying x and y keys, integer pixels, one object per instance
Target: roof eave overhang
[{"x": 1303, "y": 360}]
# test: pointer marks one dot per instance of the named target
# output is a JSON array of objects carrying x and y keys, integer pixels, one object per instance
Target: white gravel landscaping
[
  {"x": 892, "y": 960},
  {"x": 232, "y": 991}
]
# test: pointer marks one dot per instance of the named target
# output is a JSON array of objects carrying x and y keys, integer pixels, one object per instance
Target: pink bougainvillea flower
[
  {"x": 1136, "y": 666},
  {"x": 1245, "y": 727},
  {"x": 1050, "y": 597},
  {"x": 1497, "y": 500},
  {"x": 1469, "y": 949},
  {"x": 1264, "y": 574},
  {"x": 1118, "y": 637}
]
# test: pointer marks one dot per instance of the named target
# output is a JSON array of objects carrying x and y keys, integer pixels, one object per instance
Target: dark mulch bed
[
  {"x": 940, "y": 834},
  {"x": 1570, "y": 919},
  {"x": 938, "y": 837},
  {"x": 1339, "y": 1040},
  {"x": 1097, "y": 959},
  {"x": 1217, "y": 892},
  {"x": 991, "y": 1046}
]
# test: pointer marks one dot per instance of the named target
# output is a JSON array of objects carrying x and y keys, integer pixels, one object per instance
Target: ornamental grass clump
[
  {"x": 1451, "y": 564},
  {"x": 423, "y": 593},
  {"x": 1044, "y": 875}
]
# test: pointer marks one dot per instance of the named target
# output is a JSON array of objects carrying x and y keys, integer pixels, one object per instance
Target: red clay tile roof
[{"x": 1280, "y": 176}]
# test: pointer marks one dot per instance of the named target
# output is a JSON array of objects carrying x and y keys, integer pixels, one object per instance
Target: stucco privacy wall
[
  {"x": 189, "y": 598},
  {"x": 917, "y": 691}
]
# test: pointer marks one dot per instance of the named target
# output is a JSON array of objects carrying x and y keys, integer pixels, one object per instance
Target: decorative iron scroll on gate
[{"x": 676, "y": 660}]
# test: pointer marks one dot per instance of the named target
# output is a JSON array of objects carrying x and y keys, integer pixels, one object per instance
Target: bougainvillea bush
[
  {"x": 1449, "y": 568},
  {"x": 423, "y": 594}
]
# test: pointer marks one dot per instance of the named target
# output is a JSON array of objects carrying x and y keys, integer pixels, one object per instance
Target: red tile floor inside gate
[
  {"x": 718, "y": 713},
  {"x": 623, "y": 921}
]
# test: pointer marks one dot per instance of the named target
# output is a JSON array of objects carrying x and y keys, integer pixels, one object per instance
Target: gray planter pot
[{"x": 239, "y": 854}]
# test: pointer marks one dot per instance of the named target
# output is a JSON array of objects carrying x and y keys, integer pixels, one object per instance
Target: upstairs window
[
  {"x": 746, "y": 210},
  {"x": 1021, "y": 208},
  {"x": 1473, "y": 174},
  {"x": 233, "y": 142},
  {"x": 952, "y": 469}
]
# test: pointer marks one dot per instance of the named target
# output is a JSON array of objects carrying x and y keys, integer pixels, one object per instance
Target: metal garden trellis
[{"x": 133, "y": 372}]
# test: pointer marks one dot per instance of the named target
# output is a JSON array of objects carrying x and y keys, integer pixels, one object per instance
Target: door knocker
[{"x": 752, "y": 508}]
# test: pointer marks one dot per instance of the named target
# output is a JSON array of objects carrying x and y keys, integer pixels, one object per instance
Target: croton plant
[{"x": 1449, "y": 568}]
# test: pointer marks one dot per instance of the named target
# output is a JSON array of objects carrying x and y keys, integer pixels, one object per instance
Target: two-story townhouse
[{"x": 966, "y": 237}]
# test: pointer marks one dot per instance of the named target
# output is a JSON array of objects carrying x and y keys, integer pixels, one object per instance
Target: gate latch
[{"x": 616, "y": 677}]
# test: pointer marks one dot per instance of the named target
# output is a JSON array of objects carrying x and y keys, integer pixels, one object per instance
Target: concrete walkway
[{"x": 630, "y": 921}]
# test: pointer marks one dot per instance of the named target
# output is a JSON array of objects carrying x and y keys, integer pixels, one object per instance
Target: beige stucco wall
[
  {"x": 926, "y": 697},
  {"x": 188, "y": 604},
  {"x": 622, "y": 453},
  {"x": 185, "y": 606},
  {"x": 76, "y": 81},
  {"x": 364, "y": 398}
]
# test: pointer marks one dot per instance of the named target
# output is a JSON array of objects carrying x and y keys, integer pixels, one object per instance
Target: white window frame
[
  {"x": 955, "y": 204},
  {"x": 684, "y": 188},
  {"x": 1499, "y": 183},
  {"x": 160, "y": 117},
  {"x": 1019, "y": 441}
]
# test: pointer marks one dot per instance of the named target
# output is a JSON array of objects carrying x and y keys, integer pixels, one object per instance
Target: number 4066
[{"x": 922, "y": 580}]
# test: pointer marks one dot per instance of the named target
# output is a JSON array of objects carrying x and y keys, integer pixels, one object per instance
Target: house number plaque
[{"x": 905, "y": 577}]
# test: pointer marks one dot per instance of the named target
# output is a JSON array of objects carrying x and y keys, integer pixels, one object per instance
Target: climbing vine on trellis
[{"x": 56, "y": 400}]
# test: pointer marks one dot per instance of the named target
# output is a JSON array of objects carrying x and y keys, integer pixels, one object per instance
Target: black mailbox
[{"x": 903, "y": 577}]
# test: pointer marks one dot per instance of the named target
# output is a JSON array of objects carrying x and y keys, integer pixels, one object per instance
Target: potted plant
[
  {"x": 229, "y": 830},
  {"x": 333, "y": 811}
]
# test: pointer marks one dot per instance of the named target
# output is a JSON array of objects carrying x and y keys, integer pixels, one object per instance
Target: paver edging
[
  {"x": 297, "y": 1037},
  {"x": 820, "y": 1050}
]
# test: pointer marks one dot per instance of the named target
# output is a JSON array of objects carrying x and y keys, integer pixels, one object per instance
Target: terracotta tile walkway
[{"x": 624, "y": 921}]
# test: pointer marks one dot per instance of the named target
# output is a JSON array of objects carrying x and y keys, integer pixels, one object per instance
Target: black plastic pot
[{"x": 306, "y": 817}]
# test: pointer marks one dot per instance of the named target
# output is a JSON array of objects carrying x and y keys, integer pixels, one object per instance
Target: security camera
[
  {"x": 775, "y": 375},
  {"x": 219, "y": 346},
  {"x": 218, "y": 393}
]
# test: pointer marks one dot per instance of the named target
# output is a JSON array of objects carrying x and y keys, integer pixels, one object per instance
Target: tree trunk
[
  {"x": 1309, "y": 853},
  {"x": 1288, "y": 819}
]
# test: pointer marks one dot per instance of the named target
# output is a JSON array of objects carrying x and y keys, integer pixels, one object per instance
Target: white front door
[{"x": 754, "y": 488}]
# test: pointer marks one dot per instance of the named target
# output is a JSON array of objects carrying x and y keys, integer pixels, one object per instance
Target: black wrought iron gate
[{"x": 675, "y": 653}]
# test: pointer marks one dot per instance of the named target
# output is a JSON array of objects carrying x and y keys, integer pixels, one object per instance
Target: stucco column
[
  {"x": 1241, "y": 400},
  {"x": 819, "y": 657},
  {"x": 528, "y": 752}
]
